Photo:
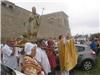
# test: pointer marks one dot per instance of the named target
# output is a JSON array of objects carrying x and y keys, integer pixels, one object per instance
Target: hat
[{"x": 28, "y": 48}]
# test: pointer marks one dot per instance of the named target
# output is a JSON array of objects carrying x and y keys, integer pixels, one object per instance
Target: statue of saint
[{"x": 34, "y": 23}]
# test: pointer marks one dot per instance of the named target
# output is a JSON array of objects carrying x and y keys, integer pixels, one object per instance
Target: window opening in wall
[
  {"x": 4, "y": 4},
  {"x": 10, "y": 6}
]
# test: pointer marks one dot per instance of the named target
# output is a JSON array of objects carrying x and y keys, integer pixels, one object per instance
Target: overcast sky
[{"x": 83, "y": 14}]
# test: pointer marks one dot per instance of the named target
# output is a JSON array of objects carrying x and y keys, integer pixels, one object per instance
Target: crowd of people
[
  {"x": 39, "y": 58},
  {"x": 93, "y": 43}
]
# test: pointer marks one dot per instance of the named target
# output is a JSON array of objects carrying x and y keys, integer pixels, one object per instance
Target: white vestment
[
  {"x": 41, "y": 57},
  {"x": 65, "y": 73}
]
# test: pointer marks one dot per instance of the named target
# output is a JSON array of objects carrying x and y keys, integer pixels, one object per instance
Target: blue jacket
[{"x": 93, "y": 45}]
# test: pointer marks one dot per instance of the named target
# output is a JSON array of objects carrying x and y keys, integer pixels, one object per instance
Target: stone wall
[
  {"x": 53, "y": 25},
  {"x": 14, "y": 17},
  {"x": 12, "y": 20}
]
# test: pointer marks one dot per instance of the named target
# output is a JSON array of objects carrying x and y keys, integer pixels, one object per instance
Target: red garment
[{"x": 51, "y": 55}]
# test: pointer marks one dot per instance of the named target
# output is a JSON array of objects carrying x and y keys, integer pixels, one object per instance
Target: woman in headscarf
[
  {"x": 30, "y": 66},
  {"x": 51, "y": 55}
]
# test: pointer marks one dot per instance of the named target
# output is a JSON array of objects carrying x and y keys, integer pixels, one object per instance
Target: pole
[{"x": 42, "y": 11}]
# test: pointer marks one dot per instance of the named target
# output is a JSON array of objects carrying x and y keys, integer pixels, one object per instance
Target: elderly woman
[{"x": 30, "y": 66}]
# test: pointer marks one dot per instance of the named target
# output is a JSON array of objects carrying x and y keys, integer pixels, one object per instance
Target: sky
[{"x": 83, "y": 15}]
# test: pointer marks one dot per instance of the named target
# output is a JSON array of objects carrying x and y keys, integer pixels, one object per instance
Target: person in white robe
[
  {"x": 42, "y": 57},
  {"x": 19, "y": 56},
  {"x": 9, "y": 57},
  {"x": 30, "y": 65}
]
